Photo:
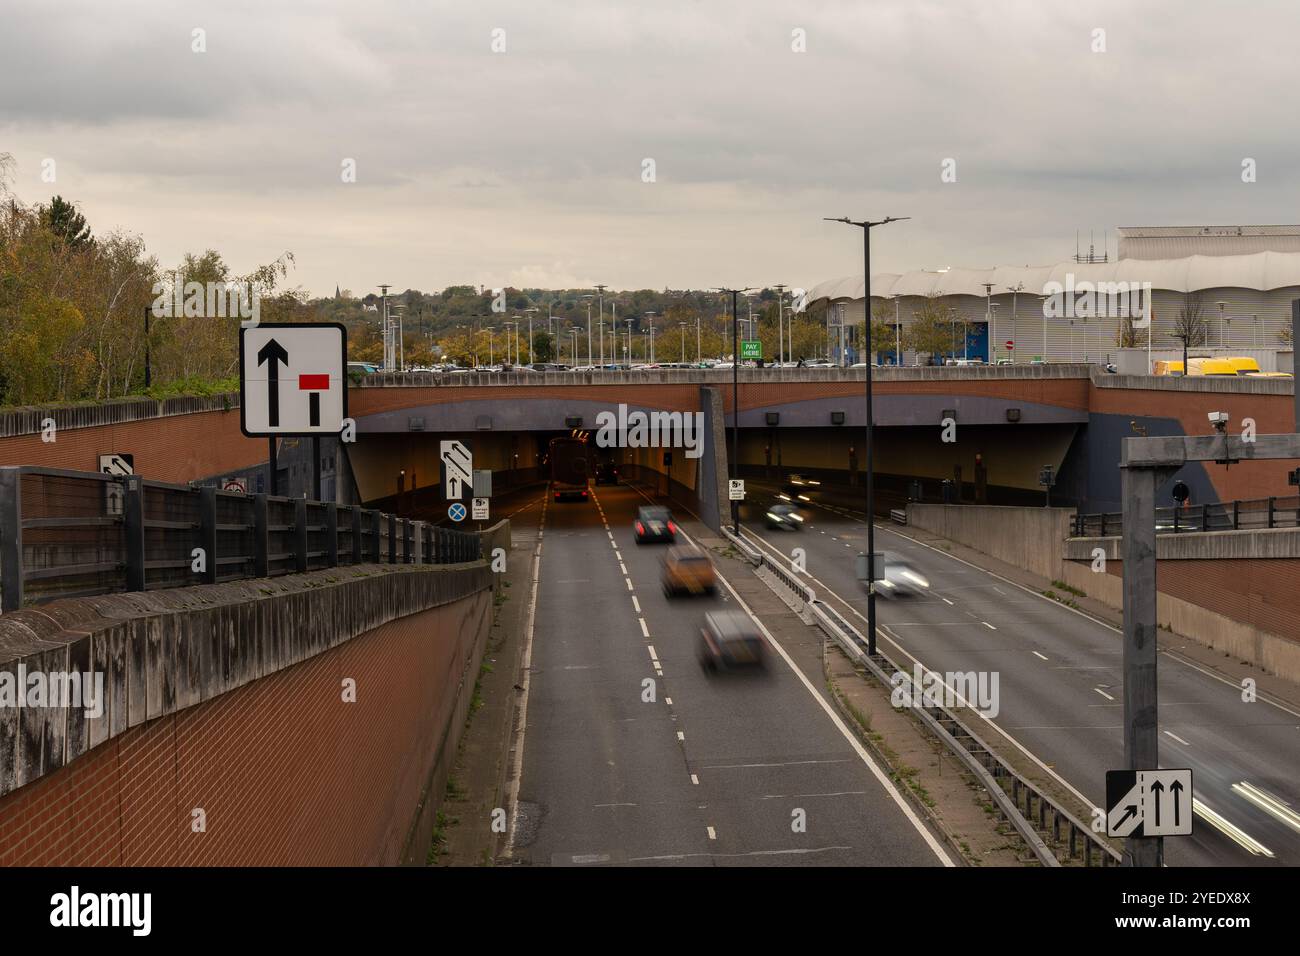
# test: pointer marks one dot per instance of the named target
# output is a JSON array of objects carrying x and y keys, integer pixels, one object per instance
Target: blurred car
[
  {"x": 730, "y": 640},
  {"x": 688, "y": 570},
  {"x": 783, "y": 516},
  {"x": 900, "y": 577},
  {"x": 606, "y": 473},
  {"x": 654, "y": 523}
]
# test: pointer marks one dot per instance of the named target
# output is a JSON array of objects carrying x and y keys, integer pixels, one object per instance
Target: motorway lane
[
  {"x": 711, "y": 771},
  {"x": 1061, "y": 690}
]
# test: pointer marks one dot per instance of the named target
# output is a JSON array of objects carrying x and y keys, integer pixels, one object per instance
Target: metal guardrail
[
  {"x": 72, "y": 534},
  {"x": 1241, "y": 515},
  {"x": 1036, "y": 815}
]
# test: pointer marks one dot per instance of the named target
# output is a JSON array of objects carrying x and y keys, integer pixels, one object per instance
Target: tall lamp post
[
  {"x": 866, "y": 226},
  {"x": 600, "y": 321},
  {"x": 650, "y": 338},
  {"x": 734, "y": 468}
]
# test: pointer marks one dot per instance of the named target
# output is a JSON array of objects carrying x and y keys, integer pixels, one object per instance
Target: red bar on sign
[{"x": 313, "y": 383}]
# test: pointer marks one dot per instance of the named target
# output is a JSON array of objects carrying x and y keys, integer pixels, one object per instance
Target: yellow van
[
  {"x": 1216, "y": 367},
  {"x": 1243, "y": 364}
]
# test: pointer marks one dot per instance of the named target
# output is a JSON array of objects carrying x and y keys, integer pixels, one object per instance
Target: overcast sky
[{"x": 525, "y": 167}]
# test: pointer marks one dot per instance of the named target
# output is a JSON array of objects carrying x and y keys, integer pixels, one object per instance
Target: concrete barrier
[{"x": 1027, "y": 538}]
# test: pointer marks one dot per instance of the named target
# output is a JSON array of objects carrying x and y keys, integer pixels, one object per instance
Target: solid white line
[
  {"x": 854, "y": 742},
  {"x": 525, "y": 666},
  {"x": 1103, "y": 693},
  {"x": 893, "y": 639}
]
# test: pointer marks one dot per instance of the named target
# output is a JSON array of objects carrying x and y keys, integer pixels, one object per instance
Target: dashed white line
[
  {"x": 946, "y": 601},
  {"x": 680, "y": 735},
  {"x": 1036, "y": 654},
  {"x": 695, "y": 780},
  {"x": 712, "y": 834},
  {"x": 636, "y": 605},
  {"x": 1103, "y": 693},
  {"x": 1170, "y": 733},
  {"x": 988, "y": 625}
]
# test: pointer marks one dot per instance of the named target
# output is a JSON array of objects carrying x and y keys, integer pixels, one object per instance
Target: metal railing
[
  {"x": 1241, "y": 515},
  {"x": 73, "y": 533},
  {"x": 1047, "y": 827}
]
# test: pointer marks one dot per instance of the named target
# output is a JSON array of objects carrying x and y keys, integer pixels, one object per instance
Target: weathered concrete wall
[
  {"x": 1242, "y": 640},
  {"x": 491, "y": 538},
  {"x": 230, "y": 698},
  {"x": 1028, "y": 538}
]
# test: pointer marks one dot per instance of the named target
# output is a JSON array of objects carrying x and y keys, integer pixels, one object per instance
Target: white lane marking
[
  {"x": 946, "y": 601},
  {"x": 893, "y": 639},
  {"x": 622, "y": 567},
  {"x": 848, "y": 735},
  {"x": 636, "y": 605},
  {"x": 668, "y": 701},
  {"x": 988, "y": 625},
  {"x": 680, "y": 735},
  {"x": 1036, "y": 654},
  {"x": 712, "y": 834},
  {"x": 1170, "y": 733},
  {"x": 629, "y": 583},
  {"x": 525, "y": 666},
  {"x": 653, "y": 656},
  {"x": 695, "y": 780},
  {"x": 1103, "y": 693}
]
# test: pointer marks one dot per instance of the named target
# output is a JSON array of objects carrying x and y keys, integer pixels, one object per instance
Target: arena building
[{"x": 1231, "y": 292}]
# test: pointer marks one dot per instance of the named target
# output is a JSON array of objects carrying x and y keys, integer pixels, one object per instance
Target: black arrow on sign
[
  {"x": 1176, "y": 788},
  {"x": 1131, "y": 811},
  {"x": 272, "y": 353},
  {"x": 1158, "y": 789}
]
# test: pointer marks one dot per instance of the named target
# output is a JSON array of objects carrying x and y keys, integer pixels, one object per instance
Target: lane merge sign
[
  {"x": 457, "y": 469},
  {"x": 1147, "y": 803},
  {"x": 736, "y": 489},
  {"x": 117, "y": 464},
  {"x": 292, "y": 379}
]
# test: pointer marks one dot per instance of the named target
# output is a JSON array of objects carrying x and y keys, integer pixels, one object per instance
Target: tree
[
  {"x": 63, "y": 219},
  {"x": 1126, "y": 336},
  {"x": 542, "y": 346},
  {"x": 936, "y": 330},
  {"x": 1190, "y": 325}
]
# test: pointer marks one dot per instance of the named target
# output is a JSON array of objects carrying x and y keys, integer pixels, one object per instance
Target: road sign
[
  {"x": 456, "y": 511},
  {"x": 480, "y": 509},
  {"x": 115, "y": 464},
  {"x": 751, "y": 349},
  {"x": 291, "y": 379},
  {"x": 483, "y": 483},
  {"x": 1148, "y": 803},
  {"x": 457, "y": 469},
  {"x": 1010, "y": 344},
  {"x": 1046, "y": 476},
  {"x": 235, "y": 484},
  {"x": 736, "y": 489}
]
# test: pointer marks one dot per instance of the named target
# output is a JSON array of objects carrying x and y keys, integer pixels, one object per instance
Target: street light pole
[
  {"x": 600, "y": 322},
  {"x": 734, "y": 464},
  {"x": 866, "y": 226},
  {"x": 780, "y": 323}
]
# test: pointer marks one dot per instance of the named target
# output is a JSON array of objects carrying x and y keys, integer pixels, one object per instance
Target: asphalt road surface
[
  {"x": 712, "y": 770},
  {"x": 1061, "y": 687}
]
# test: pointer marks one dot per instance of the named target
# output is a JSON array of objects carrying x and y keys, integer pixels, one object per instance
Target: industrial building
[{"x": 1239, "y": 280}]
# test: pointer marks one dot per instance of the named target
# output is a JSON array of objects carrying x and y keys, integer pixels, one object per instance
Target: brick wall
[{"x": 286, "y": 772}]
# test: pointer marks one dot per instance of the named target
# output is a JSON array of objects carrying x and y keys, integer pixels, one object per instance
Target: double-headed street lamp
[
  {"x": 866, "y": 226},
  {"x": 734, "y": 468}
]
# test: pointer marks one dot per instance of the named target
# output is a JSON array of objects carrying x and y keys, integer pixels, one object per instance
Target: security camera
[{"x": 1219, "y": 420}]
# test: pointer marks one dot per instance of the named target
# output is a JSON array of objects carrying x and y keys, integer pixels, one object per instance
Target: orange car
[{"x": 688, "y": 570}]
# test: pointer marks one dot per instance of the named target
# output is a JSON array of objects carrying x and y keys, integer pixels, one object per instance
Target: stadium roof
[{"x": 1261, "y": 271}]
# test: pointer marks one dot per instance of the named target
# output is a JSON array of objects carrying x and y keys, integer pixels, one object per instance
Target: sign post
[{"x": 292, "y": 383}]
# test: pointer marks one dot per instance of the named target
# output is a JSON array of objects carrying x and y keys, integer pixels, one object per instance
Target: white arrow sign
[
  {"x": 458, "y": 469},
  {"x": 292, "y": 379}
]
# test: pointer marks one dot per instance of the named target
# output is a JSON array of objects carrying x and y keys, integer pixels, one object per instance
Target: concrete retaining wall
[{"x": 1028, "y": 538}]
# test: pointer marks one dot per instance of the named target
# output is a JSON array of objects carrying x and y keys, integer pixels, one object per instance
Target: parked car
[
  {"x": 654, "y": 523},
  {"x": 730, "y": 640},
  {"x": 688, "y": 570}
]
